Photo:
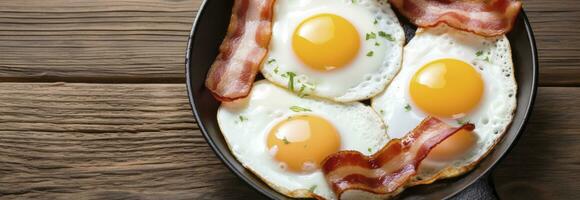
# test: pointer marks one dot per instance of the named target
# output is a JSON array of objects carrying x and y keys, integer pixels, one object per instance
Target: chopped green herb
[
  {"x": 301, "y": 91},
  {"x": 242, "y": 118},
  {"x": 310, "y": 85},
  {"x": 299, "y": 109},
  {"x": 370, "y": 53},
  {"x": 377, "y": 44},
  {"x": 462, "y": 121},
  {"x": 478, "y": 53},
  {"x": 487, "y": 59},
  {"x": 271, "y": 61},
  {"x": 387, "y": 36},
  {"x": 370, "y": 150},
  {"x": 285, "y": 140},
  {"x": 284, "y": 75},
  {"x": 311, "y": 189},
  {"x": 376, "y": 21},
  {"x": 371, "y": 35},
  {"x": 291, "y": 76},
  {"x": 407, "y": 107},
  {"x": 382, "y": 112}
]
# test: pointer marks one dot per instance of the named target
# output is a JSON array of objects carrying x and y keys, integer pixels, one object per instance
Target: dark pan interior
[{"x": 209, "y": 30}]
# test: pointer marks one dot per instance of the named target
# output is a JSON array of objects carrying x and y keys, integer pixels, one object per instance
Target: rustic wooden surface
[{"x": 93, "y": 105}]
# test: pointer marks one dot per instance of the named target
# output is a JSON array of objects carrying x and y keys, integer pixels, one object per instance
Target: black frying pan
[{"x": 210, "y": 28}]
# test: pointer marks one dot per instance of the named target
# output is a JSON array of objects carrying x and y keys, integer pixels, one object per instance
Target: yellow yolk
[
  {"x": 454, "y": 146},
  {"x": 325, "y": 42},
  {"x": 447, "y": 88},
  {"x": 302, "y": 142}
]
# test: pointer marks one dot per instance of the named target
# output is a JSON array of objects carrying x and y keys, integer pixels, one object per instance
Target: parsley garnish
[
  {"x": 310, "y": 85},
  {"x": 369, "y": 149},
  {"x": 407, "y": 107},
  {"x": 480, "y": 53},
  {"x": 382, "y": 112},
  {"x": 299, "y": 109},
  {"x": 242, "y": 118},
  {"x": 276, "y": 70},
  {"x": 300, "y": 92},
  {"x": 462, "y": 121},
  {"x": 377, "y": 44},
  {"x": 371, "y": 35},
  {"x": 285, "y": 140},
  {"x": 375, "y": 22},
  {"x": 370, "y": 53},
  {"x": 311, "y": 189},
  {"x": 387, "y": 36},
  {"x": 291, "y": 76},
  {"x": 271, "y": 61}
]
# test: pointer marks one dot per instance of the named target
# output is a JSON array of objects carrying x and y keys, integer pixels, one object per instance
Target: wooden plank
[
  {"x": 102, "y": 141},
  {"x": 106, "y": 141},
  {"x": 98, "y": 41},
  {"x": 544, "y": 164},
  {"x": 555, "y": 25},
  {"x": 144, "y": 40}
]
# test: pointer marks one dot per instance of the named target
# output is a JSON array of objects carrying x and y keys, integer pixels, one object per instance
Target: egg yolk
[
  {"x": 447, "y": 88},
  {"x": 454, "y": 146},
  {"x": 301, "y": 143},
  {"x": 325, "y": 42}
]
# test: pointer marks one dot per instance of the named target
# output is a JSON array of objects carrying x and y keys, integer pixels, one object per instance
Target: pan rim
[{"x": 267, "y": 193}]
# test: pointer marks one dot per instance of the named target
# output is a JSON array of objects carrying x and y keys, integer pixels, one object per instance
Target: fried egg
[
  {"x": 342, "y": 50},
  {"x": 283, "y": 138},
  {"x": 458, "y": 77}
]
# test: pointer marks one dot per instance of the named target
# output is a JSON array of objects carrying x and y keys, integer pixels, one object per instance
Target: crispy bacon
[
  {"x": 483, "y": 17},
  {"x": 242, "y": 50},
  {"x": 390, "y": 169}
]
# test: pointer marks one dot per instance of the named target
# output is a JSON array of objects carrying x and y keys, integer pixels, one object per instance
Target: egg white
[
  {"x": 245, "y": 124},
  {"x": 492, "y": 116},
  {"x": 364, "y": 77}
]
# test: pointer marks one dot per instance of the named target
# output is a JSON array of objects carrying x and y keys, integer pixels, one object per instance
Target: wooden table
[{"x": 93, "y": 105}]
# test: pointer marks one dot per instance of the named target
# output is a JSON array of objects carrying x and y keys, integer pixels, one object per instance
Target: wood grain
[
  {"x": 139, "y": 141},
  {"x": 141, "y": 41},
  {"x": 545, "y": 163},
  {"x": 97, "y": 41},
  {"x": 106, "y": 141},
  {"x": 555, "y": 25}
]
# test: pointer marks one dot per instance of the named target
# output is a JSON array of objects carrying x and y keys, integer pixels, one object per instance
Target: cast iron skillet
[{"x": 208, "y": 31}]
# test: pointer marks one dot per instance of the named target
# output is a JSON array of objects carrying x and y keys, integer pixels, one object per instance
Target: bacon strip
[
  {"x": 483, "y": 17},
  {"x": 242, "y": 50},
  {"x": 390, "y": 169}
]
